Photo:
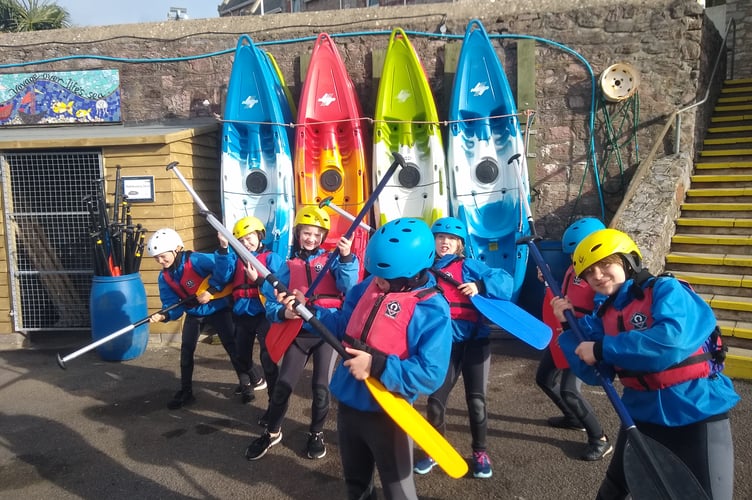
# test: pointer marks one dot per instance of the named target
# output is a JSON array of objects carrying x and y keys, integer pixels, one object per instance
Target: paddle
[
  {"x": 281, "y": 334},
  {"x": 327, "y": 202},
  {"x": 508, "y": 316},
  {"x": 403, "y": 414},
  {"x": 502, "y": 313},
  {"x": 652, "y": 470},
  {"x": 204, "y": 286}
]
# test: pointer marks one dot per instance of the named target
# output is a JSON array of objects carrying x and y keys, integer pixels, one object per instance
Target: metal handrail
[
  {"x": 642, "y": 168},
  {"x": 724, "y": 50}
]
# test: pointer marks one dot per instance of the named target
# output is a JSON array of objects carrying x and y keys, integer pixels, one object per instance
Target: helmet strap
[{"x": 408, "y": 284}]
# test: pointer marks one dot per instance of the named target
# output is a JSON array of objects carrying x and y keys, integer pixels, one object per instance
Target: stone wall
[
  {"x": 169, "y": 69},
  {"x": 741, "y": 12}
]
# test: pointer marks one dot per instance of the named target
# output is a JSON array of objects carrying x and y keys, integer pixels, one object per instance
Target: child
[
  {"x": 248, "y": 312},
  {"x": 182, "y": 274},
  {"x": 395, "y": 325},
  {"x": 661, "y": 338},
  {"x": 471, "y": 352},
  {"x": 577, "y": 412},
  {"x": 311, "y": 227}
]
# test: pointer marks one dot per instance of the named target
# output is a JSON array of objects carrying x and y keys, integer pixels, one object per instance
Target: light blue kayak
[
  {"x": 257, "y": 173},
  {"x": 486, "y": 160}
]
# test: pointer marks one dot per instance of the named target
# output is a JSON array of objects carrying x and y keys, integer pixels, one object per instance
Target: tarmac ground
[{"x": 101, "y": 430}]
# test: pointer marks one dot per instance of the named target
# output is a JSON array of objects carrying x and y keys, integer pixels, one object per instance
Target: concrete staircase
[{"x": 712, "y": 247}]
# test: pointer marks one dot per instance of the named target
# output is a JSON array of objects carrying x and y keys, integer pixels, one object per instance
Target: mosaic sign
[{"x": 54, "y": 98}]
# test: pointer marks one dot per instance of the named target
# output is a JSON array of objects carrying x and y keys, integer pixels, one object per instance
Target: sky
[{"x": 106, "y": 12}]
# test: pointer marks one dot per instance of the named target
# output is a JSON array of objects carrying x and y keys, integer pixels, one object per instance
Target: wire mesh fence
[{"x": 47, "y": 236}]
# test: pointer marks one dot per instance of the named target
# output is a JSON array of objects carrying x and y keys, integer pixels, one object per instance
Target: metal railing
[
  {"x": 675, "y": 119},
  {"x": 731, "y": 26}
]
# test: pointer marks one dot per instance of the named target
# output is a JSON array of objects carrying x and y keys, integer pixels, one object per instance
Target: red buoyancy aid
[
  {"x": 189, "y": 282},
  {"x": 379, "y": 321},
  {"x": 639, "y": 317},
  {"x": 581, "y": 296},
  {"x": 302, "y": 274},
  {"x": 460, "y": 306},
  {"x": 242, "y": 287}
]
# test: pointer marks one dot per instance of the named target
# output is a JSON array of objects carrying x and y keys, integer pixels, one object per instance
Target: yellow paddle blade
[
  {"x": 204, "y": 286},
  {"x": 423, "y": 433}
]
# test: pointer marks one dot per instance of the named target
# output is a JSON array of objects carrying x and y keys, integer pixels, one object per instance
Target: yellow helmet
[
  {"x": 247, "y": 225},
  {"x": 313, "y": 216},
  {"x": 600, "y": 244}
]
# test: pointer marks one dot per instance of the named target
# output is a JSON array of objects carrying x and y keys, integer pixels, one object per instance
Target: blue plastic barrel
[
  {"x": 531, "y": 294},
  {"x": 116, "y": 302}
]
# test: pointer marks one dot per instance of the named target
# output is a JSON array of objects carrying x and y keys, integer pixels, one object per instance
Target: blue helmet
[
  {"x": 400, "y": 249},
  {"x": 450, "y": 225},
  {"x": 578, "y": 231}
]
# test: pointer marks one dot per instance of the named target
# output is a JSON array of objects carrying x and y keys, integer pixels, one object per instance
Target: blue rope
[{"x": 591, "y": 121}]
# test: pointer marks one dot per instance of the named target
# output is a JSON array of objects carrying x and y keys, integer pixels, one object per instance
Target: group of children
[{"x": 412, "y": 325}]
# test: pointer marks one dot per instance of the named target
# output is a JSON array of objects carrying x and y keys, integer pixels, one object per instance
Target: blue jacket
[
  {"x": 429, "y": 339},
  {"x": 682, "y": 321},
  {"x": 203, "y": 264},
  {"x": 226, "y": 264},
  {"x": 346, "y": 275},
  {"x": 498, "y": 284}
]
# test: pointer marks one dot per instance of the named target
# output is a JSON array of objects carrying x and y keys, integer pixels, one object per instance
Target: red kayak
[{"x": 329, "y": 147}]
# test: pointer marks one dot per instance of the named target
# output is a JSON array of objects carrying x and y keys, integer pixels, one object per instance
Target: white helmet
[{"x": 164, "y": 240}]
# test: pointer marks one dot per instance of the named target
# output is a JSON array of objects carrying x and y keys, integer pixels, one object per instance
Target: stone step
[
  {"x": 729, "y": 307},
  {"x": 731, "y": 128},
  {"x": 731, "y": 118},
  {"x": 737, "y": 81},
  {"x": 725, "y": 108},
  {"x": 735, "y": 99},
  {"x": 701, "y": 180},
  {"x": 720, "y": 194},
  {"x": 716, "y": 240},
  {"x": 714, "y": 225},
  {"x": 735, "y": 88},
  {"x": 712, "y": 244},
  {"x": 729, "y": 138},
  {"x": 718, "y": 281},
  {"x": 737, "y": 329},
  {"x": 712, "y": 153},
  {"x": 738, "y": 363},
  {"x": 725, "y": 209},
  {"x": 729, "y": 263},
  {"x": 731, "y": 165}
]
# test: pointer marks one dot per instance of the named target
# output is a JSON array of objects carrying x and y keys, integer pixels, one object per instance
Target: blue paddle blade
[{"x": 515, "y": 320}]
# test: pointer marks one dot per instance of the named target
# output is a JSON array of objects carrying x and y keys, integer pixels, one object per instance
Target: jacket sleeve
[
  {"x": 204, "y": 264},
  {"x": 682, "y": 321},
  {"x": 225, "y": 261},
  {"x": 336, "y": 319},
  {"x": 273, "y": 307},
  {"x": 429, "y": 346},
  {"x": 568, "y": 341},
  {"x": 168, "y": 297},
  {"x": 496, "y": 282},
  {"x": 346, "y": 274}
]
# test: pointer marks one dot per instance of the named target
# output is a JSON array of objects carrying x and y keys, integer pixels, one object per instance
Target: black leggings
[
  {"x": 472, "y": 359},
  {"x": 292, "y": 366},
  {"x": 247, "y": 329},
  {"x": 222, "y": 323},
  {"x": 563, "y": 388},
  {"x": 705, "y": 447}
]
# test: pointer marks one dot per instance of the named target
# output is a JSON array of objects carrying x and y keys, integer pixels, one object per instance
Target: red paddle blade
[{"x": 280, "y": 337}]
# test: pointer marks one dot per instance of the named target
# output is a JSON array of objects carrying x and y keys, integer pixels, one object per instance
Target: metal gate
[{"x": 47, "y": 236}]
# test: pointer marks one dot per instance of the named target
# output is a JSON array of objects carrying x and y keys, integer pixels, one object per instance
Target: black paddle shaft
[
  {"x": 398, "y": 161},
  {"x": 651, "y": 470}
]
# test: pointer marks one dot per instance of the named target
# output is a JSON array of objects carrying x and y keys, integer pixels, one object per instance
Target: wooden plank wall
[{"x": 173, "y": 207}]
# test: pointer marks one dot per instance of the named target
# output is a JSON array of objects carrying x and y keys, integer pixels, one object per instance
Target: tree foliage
[{"x": 32, "y": 15}]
